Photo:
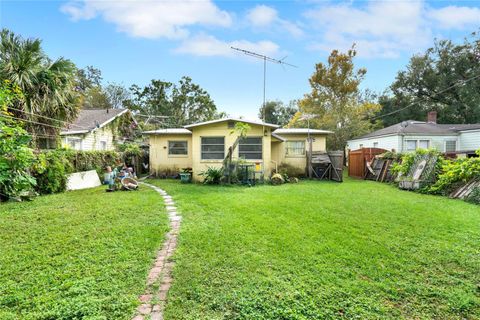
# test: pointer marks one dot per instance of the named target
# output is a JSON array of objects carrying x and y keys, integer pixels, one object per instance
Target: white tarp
[{"x": 83, "y": 180}]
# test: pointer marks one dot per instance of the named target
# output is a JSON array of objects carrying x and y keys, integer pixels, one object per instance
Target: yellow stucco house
[{"x": 202, "y": 145}]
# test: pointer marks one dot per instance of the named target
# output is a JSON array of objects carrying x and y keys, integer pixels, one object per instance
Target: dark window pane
[
  {"x": 212, "y": 156},
  {"x": 250, "y": 140},
  {"x": 177, "y": 147},
  {"x": 251, "y": 155},
  {"x": 251, "y": 147},
  {"x": 212, "y": 148},
  {"x": 213, "y": 140}
]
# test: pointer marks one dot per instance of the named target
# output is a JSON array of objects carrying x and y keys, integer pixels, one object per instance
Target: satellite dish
[{"x": 404, "y": 124}]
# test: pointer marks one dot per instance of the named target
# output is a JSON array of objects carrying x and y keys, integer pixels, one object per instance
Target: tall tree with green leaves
[
  {"x": 183, "y": 104},
  {"x": 277, "y": 112},
  {"x": 48, "y": 86},
  {"x": 335, "y": 102},
  {"x": 446, "y": 79}
]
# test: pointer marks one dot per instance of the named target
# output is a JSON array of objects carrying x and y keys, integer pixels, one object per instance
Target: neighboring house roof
[
  {"x": 91, "y": 119},
  {"x": 301, "y": 131},
  {"x": 420, "y": 127},
  {"x": 233, "y": 119},
  {"x": 169, "y": 131}
]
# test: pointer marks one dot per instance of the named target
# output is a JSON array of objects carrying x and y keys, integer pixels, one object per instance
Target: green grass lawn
[
  {"x": 78, "y": 255},
  {"x": 323, "y": 250}
]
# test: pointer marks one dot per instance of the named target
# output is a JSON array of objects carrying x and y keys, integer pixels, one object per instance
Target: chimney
[{"x": 432, "y": 117}]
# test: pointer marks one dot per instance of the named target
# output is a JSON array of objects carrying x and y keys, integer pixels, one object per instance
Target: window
[
  {"x": 423, "y": 144},
  {"x": 75, "y": 143},
  {"x": 213, "y": 148},
  {"x": 177, "y": 148},
  {"x": 103, "y": 145},
  {"x": 411, "y": 145},
  {"x": 450, "y": 146},
  {"x": 295, "y": 148},
  {"x": 250, "y": 148},
  {"x": 361, "y": 145},
  {"x": 375, "y": 144}
]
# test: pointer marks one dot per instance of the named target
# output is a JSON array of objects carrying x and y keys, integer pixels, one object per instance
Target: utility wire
[
  {"x": 45, "y": 117},
  {"x": 35, "y": 122},
  {"x": 461, "y": 82}
]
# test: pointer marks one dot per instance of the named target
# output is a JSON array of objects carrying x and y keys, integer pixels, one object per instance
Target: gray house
[{"x": 411, "y": 135}]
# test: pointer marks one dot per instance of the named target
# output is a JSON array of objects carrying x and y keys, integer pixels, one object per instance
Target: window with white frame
[
  {"x": 103, "y": 145},
  {"x": 250, "y": 148},
  {"x": 295, "y": 148},
  {"x": 177, "y": 147},
  {"x": 450, "y": 146},
  {"x": 74, "y": 143},
  {"x": 423, "y": 144},
  {"x": 414, "y": 144},
  {"x": 375, "y": 144},
  {"x": 213, "y": 148},
  {"x": 411, "y": 145}
]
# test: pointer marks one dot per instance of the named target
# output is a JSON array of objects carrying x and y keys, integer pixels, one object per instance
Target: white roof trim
[
  {"x": 65, "y": 133},
  {"x": 301, "y": 131},
  {"x": 278, "y": 137},
  {"x": 169, "y": 131},
  {"x": 233, "y": 119}
]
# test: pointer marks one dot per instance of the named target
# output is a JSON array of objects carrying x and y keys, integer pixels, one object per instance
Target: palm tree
[{"x": 48, "y": 86}]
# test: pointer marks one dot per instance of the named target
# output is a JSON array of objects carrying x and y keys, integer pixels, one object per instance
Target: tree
[
  {"x": 277, "y": 113},
  {"x": 48, "y": 86},
  {"x": 89, "y": 77},
  {"x": 336, "y": 102},
  {"x": 444, "y": 79},
  {"x": 117, "y": 95},
  {"x": 184, "y": 103}
]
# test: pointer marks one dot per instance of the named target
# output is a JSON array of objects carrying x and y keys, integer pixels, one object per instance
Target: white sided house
[
  {"x": 95, "y": 129},
  {"x": 411, "y": 135}
]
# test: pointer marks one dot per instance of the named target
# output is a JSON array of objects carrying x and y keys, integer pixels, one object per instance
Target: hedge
[{"x": 53, "y": 166}]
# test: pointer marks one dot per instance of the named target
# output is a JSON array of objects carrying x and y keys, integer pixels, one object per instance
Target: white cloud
[
  {"x": 151, "y": 18},
  {"x": 380, "y": 29},
  {"x": 453, "y": 17},
  {"x": 262, "y": 16},
  {"x": 207, "y": 45}
]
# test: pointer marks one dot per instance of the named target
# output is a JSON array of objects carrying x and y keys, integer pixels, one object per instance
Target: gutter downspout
[{"x": 276, "y": 165}]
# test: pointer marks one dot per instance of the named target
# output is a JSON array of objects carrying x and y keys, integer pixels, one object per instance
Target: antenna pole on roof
[{"x": 265, "y": 60}]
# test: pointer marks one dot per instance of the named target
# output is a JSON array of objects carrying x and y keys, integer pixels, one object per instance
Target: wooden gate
[{"x": 357, "y": 160}]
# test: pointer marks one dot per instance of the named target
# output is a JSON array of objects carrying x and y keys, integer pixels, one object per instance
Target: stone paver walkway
[{"x": 153, "y": 302}]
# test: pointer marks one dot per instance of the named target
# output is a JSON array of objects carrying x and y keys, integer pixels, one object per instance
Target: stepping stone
[{"x": 171, "y": 208}]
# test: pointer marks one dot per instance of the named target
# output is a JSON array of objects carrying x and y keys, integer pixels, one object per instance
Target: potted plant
[{"x": 186, "y": 175}]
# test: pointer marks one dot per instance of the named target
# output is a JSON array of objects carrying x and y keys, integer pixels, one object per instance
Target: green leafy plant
[
  {"x": 457, "y": 170},
  {"x": 474, "y": 196},
  {"x": 212, "y": 175},
  {"x": 16, "y": 157}
]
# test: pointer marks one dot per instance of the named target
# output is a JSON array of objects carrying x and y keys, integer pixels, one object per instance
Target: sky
[{"x": 134, "y": 41}]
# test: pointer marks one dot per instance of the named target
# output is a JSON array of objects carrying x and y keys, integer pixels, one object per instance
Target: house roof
[
  {"x": 169, "y": 131},
  {"x": 90, "y": 119},
  {"x": 233, "y": 119},
  {"x": 301, "y": 131},
  {"x": 276, "y": 136},
  {"x": 420, "y": 127}
]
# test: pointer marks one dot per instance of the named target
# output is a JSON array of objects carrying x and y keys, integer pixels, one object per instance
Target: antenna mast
[{"x": 265, "y": 60}]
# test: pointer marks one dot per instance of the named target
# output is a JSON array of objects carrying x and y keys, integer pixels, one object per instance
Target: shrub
[
  {"x": 474, "y": 196},
  {"x": 212, "y": 175},
  {"x": 51, "y": 170},
  {"x": 287, "y": 171},
  {"x": 457, "y": 170},
  {"x": 15, "y": 155}
]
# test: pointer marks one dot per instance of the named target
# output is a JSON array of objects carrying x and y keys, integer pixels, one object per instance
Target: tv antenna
[{"x": 265, "y": 60}]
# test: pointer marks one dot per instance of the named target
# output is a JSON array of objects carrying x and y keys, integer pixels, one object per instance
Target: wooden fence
[{"x": 357, "y": 160}]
